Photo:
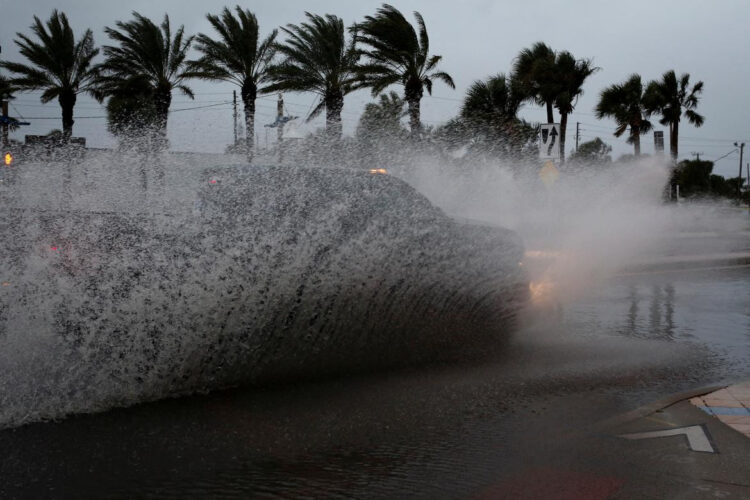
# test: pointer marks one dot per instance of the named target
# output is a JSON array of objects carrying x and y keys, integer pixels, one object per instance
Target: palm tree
[
  {"x": 494, "y": 102},
  {"x": 624, "y": 103},
  {"x": 130, "y": 110},
  {"x": 398, "y": 55},
  {"x": 570, "y": 73},
  {"x": 534, "y": 69},
  {"x": 317, "y": 58},
  {"x": 6, "y": 89},
  {"x": 60, "y": 66},
  {"x": 669, "y": 97},
  {"x": 237, "y": 57},
  {"x": 380, "y": 134},
  {"x": 147, "y": 56},
  {"x": 6, "y": 94},
  {"x": 490, "y": 113},
  {"x": 382, "y": 118}
]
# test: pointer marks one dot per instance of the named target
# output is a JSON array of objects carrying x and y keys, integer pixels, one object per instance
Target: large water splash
[
  {"x": 127, "y": 278},
  {"x": 119, "y": 291}
]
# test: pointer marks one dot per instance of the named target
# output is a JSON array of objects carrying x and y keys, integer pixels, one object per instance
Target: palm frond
[
  {"x": 146, "y": 51},
  {"x": 444, "y": 77},
  {"x": 317, "y": 57},
  {"x": 319, "y": 108},
  {"x": 397, "y": 53}
]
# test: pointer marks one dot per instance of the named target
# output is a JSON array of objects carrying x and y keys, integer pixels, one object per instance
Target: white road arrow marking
[{"x": 695, "y": 434}]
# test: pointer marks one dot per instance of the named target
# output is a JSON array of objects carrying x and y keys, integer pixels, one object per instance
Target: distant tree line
[
  {"x": 145, "y": 62},
  {"x": 697, "y": 180}
]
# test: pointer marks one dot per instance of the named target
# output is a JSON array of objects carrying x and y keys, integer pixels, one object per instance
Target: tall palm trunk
[
  {"x": 249, "y": 93},
  {"x": 550, "y": 116},
  {"x": 413, "y": 94},
  {"x": 636, "y": 133},
  {"x": 334, "y": 104},
  {"x": 67, "y": 100},
  {"x": 673, "y": 135},
  {"x": 563, "y": 127},
  {"x": 162, "y": 101}
]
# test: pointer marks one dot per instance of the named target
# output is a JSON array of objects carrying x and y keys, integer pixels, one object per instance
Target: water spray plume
[{"x": 183, "y": 279}]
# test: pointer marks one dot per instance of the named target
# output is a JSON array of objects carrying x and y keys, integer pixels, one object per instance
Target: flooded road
[{"x": 450, "y": 431}]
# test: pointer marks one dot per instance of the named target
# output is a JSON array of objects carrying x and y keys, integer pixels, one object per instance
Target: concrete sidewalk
[{"x": 730, "y": 405}]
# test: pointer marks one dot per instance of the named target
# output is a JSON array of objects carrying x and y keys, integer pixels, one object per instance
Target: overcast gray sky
[{"x": 477, "y": 38}]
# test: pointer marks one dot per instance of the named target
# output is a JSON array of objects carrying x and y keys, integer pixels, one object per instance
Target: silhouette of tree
[
  {"x": 238, "y": 56},
  {"x": 673, "y": 98},
  {"x": 60, "y": 66},
  {"x": 397, "y": 54},
  {"x": 624, "y": 103},
  {"x": 147, "y": 57},
  {"x": 319, "y": 59}
]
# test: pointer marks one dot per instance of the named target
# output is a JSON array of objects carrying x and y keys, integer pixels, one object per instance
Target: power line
[
  {"x": 724, "y": 156},
  {"x": 104, "y": 116},
  {"x": 200, "y": 107}
]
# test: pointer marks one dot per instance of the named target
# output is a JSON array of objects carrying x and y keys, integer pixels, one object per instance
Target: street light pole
[{"x": 739, "y": 176}]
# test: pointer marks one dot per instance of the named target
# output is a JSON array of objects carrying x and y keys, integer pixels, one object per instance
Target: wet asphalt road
[{"x": 510, "y": 427}]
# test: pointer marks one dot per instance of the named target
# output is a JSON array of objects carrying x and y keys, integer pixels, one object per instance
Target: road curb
[{"x": 653, "y": 407}]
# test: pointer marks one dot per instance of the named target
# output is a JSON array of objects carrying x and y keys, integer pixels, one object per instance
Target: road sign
[
  {"x": 695, "y": 434},
  {"x": 658, "y": 141},
  {"x": 549, "y": 141}
]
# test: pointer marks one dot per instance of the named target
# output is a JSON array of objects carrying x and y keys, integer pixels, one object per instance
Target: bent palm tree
[
  {"x": 317, "y": 58},
  {"x": 570, "y": 74},
  {"x": 624, "y": 103},
  {"x": 147, "y": 56},
  {"x": 534, "y": 69},
  {"x": 494, "y": 102},
  {"x": 669, "y": 97},
  {"x": 490, "y": 110},
  {"x": 398, "y": 55},
  {"x": 60, "y": 67},
  {"x": 237, "y": 57}
]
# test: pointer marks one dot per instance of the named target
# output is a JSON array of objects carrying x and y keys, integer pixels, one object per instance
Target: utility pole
[
  {"x": 280, "y": 119},
  {"x": 280, "y": 129},
  {"x": 279, "y": 124},
  {"x": 4, "y": 141},
  {"x": 234, "y": 104},
  {"x": 739, "y": 177},
  {"x": 697, "y": 155},
  {"x": 578, "y": 134}
]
